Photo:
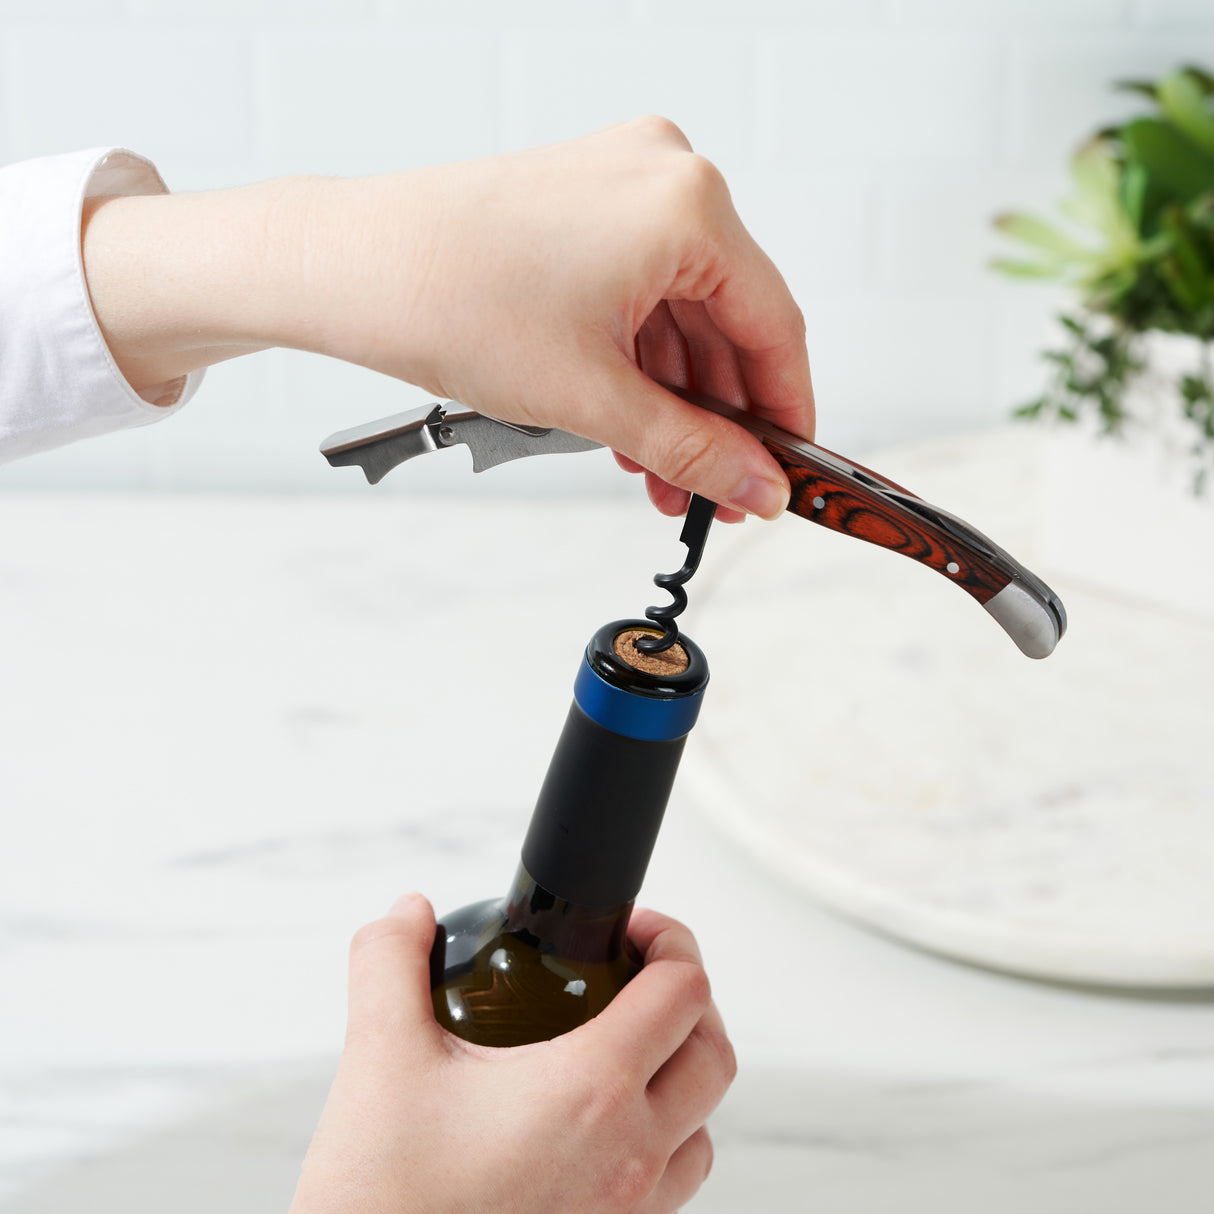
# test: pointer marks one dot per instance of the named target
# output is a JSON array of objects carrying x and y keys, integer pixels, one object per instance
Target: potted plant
[{"x": 1136, "y": 245}]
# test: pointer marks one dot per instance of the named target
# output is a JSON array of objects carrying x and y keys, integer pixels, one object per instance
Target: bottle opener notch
[{"x": 380, "y": 446}]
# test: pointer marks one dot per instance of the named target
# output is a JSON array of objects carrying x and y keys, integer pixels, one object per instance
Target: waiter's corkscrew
[{"x": 827, "y": 489}]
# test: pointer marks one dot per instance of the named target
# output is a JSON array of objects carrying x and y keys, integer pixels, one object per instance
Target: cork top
[
  {"x": 649, "y": 697},
  {"x": 669, "y": 662}
]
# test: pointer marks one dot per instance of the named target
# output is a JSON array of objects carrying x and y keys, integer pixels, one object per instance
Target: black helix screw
[{"x": 694, "y": 534}]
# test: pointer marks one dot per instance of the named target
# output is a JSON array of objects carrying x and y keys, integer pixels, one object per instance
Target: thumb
[
  {"x": 692, "y": 448},
  {"x": 390, "y": 972}
]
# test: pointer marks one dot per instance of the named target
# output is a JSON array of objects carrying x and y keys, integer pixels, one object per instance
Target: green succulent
[{"x": 1138, "y": 250}]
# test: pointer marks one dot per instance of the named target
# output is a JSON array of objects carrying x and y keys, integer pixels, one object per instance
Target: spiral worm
[{"x": 694, "y": 534}]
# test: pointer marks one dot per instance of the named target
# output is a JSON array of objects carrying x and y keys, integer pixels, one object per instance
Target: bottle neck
[
  {"x": 601, "y": 804},
  {"x": 599, "y": 813},
  {"x": 568, "y": 929}
]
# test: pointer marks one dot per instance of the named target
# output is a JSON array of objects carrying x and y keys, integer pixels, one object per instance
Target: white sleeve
[{"x": 58, "y": 380}]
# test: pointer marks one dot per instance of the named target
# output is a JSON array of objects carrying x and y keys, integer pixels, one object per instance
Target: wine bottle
[{"x": 554, "y": 952}]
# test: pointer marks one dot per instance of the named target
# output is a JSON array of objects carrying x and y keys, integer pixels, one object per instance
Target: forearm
[{"x": 183, "y": 281}]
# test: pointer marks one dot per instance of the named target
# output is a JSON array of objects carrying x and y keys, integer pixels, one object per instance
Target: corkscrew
[
  {"x": 827, "y": 489},
  {"x": 695, "y": 535}
]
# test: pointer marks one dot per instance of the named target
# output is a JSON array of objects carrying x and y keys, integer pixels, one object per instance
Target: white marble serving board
[{"x": 875, "y": 739}]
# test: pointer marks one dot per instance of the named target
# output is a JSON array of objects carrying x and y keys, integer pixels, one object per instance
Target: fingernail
[
  {"x": 404, "y": 902},
  {"x": 758, "y": 495}
]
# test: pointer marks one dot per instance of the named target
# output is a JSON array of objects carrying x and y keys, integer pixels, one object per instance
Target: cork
[{"x": 670, "y": 661}]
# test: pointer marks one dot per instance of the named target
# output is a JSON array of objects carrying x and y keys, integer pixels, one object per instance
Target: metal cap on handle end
[{"x": 1034, "y": 625}]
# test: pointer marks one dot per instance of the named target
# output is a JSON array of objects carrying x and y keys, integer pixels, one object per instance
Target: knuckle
[
  {"x": 636, "y": 1174},
  {"x": 701, "y": 1144},
  {"x": 702, "y": 181},
  {"x": 699, "y": 987},
  {"x": 656, "y": 127},
  {"x": 607, "y": 1101},
  {"x": 796, "y": 324},
  {"x": 696, "y": 197},
  {"x": 730, "y": 1059},
  {"x": 722, "y": 1047},
  {"x": 368, "y": 934},
  {"x": 688, "y": 458}
]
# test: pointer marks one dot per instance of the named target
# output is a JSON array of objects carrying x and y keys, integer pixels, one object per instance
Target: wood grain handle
[
  {"x": 846, "y": 505},
  {"x": 838, "y": 493}
]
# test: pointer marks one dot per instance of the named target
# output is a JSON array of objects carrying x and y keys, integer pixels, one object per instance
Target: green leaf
[
  {"x": 1036, "y": 232},
  {"x": 1180, "y": 166},
  {"x": 1027, "y": 269},
  {"x": 1159, "y": 245},
  {"x": 1200, "y": 212},
  {"x": 1097, "y": 177},
  {"x": 1145, "y": 88},
  {"x": 1187, "y": 257},
  {"x": 1097, "y": 200},
  {"x": 1201, "y": 78},
  {"x": 1134, "y": 182},
  {"x": 1105, "y": 292},
  {"x": 1184, "y": 102},
  {"x": 1181, "y": 288},
  {"x": 1193, "y": 388}
]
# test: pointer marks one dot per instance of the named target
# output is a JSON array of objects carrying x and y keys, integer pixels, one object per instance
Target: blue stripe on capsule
[{"x": 634, "y": 716}]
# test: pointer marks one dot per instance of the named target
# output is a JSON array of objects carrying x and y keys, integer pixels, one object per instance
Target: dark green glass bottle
[{"x": 554, "y": 952}]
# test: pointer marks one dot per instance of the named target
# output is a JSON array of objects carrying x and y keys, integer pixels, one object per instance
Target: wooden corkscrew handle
[{"x": 832, "y": 491}]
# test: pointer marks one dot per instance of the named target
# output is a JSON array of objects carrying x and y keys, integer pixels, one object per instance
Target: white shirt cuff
[{"x": 58, "y": 380}]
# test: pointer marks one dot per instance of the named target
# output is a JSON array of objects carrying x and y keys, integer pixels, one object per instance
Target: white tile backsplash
[
  {"x": 357, "y": 102},
  {"x": 50, "y": 11},
  {"x": 867, "y": 144},
  {"x": 814, "y": 224},
  {"x": 485, "y": 15},
  {"x": 238, "y": 13},
  {"x": 906, "y": 100},
  {"x": 892, "y": 370},
  {"x": 1193, "y": 13},
  {"x": 1061, "y": 90},
  {"x": 785, "y": 13},
  {"x": 181, "y": 97},
  {"x": 561, "y": 85},
  {"x": 1042, "y": 16},
  {"x": 915, "y": 206}
]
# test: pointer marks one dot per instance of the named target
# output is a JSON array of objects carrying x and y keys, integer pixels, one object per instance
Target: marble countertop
[{"x": 236, "y": 728}]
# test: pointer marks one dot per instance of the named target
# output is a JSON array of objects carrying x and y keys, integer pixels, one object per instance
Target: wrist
[
  {"x": 360, "y": 255},
  {"x": 182, "y": 281}
]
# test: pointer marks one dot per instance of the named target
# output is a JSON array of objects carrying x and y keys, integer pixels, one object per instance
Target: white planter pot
[{"x": 1119, "y": 514}]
